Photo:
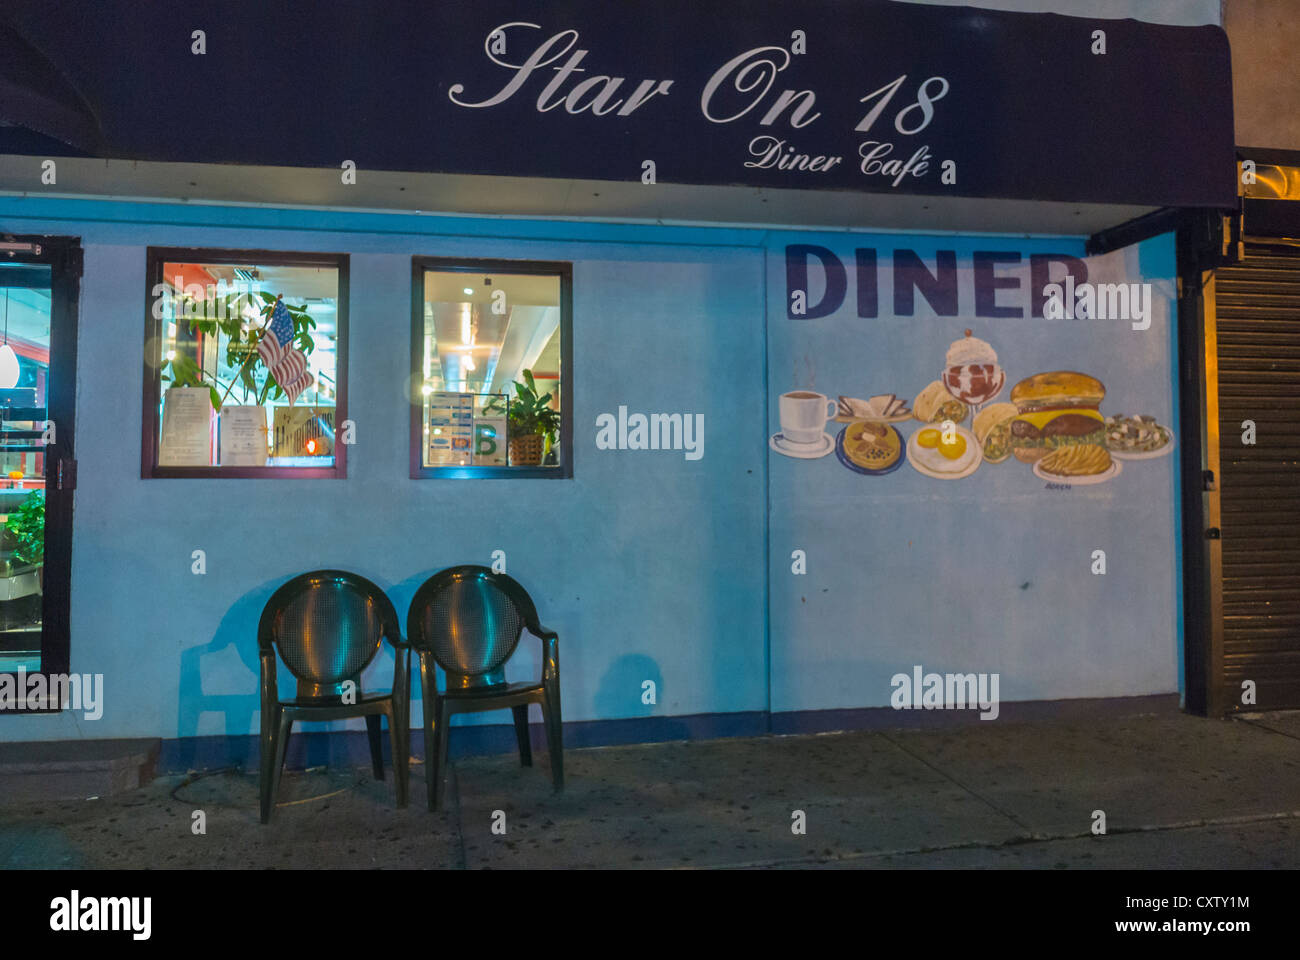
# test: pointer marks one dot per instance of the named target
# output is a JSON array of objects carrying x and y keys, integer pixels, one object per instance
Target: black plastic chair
[
  {"x": 327, "y": 626},
  {"x": 468, "y": 621}
]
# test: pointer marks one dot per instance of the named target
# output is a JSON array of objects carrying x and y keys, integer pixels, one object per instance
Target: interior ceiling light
[
  {"x": 469, "y": 291},
  {"x": 8, "y": 359}
]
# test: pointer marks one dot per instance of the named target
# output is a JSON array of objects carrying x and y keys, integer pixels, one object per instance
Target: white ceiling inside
[{"x": 472, "y": 346}]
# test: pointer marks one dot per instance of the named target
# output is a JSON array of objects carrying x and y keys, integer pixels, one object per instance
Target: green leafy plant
[
  {"x": 224, "y": 315},
  {"x": 530, "y": 413},
  {"x": 27, "y": 526}
]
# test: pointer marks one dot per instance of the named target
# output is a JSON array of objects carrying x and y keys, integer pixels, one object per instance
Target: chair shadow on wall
[
  {"x": 622, "y": 694},
  {"x": 238, "y": 629}
]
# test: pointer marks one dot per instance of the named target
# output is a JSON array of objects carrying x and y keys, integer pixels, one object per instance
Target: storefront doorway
[{"x": 39, "y": 286}]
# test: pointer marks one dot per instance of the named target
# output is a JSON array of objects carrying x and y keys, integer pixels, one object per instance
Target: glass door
[
  {"x": 25, "y": 312},
  {"x": 39, "y": 286}
]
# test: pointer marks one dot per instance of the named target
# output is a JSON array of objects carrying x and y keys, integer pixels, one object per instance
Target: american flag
[{"x": 287, "y": 365}]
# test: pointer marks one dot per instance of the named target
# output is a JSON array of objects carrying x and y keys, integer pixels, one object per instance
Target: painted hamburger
[{"x": 1054, "y": 410}]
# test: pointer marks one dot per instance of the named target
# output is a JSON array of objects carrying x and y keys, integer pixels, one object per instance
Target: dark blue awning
[
  {"x": 873, "y": 96},
  {"x": 39, "y": 107}
]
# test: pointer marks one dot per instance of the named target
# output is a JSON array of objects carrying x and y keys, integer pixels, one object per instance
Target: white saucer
[{"x": 802, "y": 451}]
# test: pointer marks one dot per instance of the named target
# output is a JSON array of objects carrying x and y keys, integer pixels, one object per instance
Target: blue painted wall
[
  {"x": 651, "y": 567},
  {"x": 990, "y": 573}
]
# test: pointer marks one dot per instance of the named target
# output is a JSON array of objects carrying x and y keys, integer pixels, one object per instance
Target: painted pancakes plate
[{"x": 863, "y": 449}]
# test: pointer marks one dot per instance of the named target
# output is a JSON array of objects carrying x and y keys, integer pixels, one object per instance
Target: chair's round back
[
  {"x": 327, "y": 625},
  {"x": 470, "y": 619}
]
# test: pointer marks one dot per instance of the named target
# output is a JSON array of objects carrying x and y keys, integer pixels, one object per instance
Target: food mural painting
[{"x": 1053, "y": 422}]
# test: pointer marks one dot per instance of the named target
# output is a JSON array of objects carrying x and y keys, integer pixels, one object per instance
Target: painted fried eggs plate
[{"x": 929, "y": 454}]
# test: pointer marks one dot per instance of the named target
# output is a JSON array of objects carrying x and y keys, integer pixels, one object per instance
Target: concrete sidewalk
[{"x": 1177, "y": 791}]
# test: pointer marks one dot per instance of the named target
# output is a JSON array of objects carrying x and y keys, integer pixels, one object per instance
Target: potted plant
[
  {"x": 26, "y": 529},
  {"x": 241, "y": 348},
  {"x": 532, "y": 423}
]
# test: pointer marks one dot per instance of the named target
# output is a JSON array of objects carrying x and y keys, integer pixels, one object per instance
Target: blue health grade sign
[{"x": 870, "y": 96}]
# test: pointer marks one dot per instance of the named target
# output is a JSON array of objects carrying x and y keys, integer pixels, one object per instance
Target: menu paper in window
[
  {"x": 451, "y": 428},
  {"x": 186, "y": 428},
  {"x": 243, "y": 436}
]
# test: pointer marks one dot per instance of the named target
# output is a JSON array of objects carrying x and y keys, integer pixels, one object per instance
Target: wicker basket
[{"x": 526, "y": 451}]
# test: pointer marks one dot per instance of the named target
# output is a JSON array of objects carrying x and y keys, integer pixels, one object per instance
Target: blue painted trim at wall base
[
  {"x": 1029, "y": 711},
  {"x": 350, "y": 747}
]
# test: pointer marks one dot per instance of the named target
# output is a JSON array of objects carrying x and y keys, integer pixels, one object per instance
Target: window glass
[
  {"x": 247, "y": 358},
  {"x": 491, "y": 360}
]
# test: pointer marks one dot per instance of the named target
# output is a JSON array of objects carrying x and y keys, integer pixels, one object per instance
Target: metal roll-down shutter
[{"x": 1258, "y": 349}]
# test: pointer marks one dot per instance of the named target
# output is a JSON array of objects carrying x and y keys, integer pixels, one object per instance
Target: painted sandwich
[
  {"x": 1054, "y": 410},
  {"x": 935, "y": 404},
  {"x": 992, "y": 428}
]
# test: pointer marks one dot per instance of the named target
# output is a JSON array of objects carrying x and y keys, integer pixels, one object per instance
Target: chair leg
[
  {"x": 375, "y": 734},
  {"x": 554, "y": 733},
  {"x": 283, "y": 729},
  {"x": 437, "y": 768},
  {"x": 521, "y": 734},
  {"x": 402, "y": 712},
  {"x": 270, "y": 723},
  {"x": 396, "y": 744},
  {"x": 429, "y": 693}
]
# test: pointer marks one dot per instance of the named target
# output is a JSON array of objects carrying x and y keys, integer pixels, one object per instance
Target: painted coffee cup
[{"x": 804, "y": 415}]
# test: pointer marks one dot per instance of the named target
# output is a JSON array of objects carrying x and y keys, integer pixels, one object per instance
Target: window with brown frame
[
  {"x": 491, "y": 347},
  {"x": 245, "y": 362}
]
